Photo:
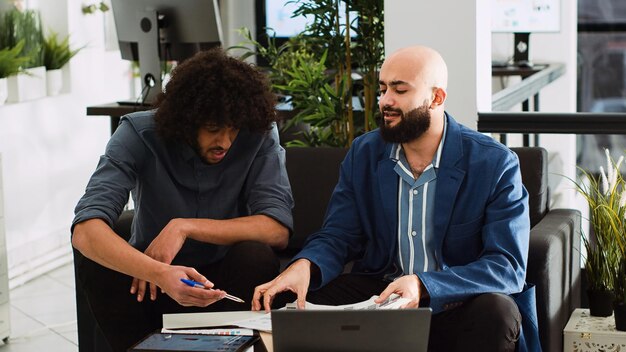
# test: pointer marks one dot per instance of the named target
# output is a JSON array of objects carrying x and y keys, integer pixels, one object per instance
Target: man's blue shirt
[{"x": 416, "y": 206}]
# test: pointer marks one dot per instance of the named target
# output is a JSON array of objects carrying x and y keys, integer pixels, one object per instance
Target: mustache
[
  {"x": 216, "y": 149},
  {"x": 390, "y": 109}
]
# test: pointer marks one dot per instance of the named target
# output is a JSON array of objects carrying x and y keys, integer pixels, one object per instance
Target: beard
[{"x": 411, "y": 126}]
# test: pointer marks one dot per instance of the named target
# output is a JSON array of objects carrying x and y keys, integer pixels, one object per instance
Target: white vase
[
  {"x": 28, "y": 85},
  {"x": 4, "y": 90},
  {"x": 54, "y": 82}
]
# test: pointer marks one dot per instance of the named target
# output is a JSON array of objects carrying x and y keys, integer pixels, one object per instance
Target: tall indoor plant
[
  {"x": 605, "y": 196},
  {"x": 315, "y": 69}
]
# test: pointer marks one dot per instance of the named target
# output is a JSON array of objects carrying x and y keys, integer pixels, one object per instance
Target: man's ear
[{"x": 438, "y": 98}]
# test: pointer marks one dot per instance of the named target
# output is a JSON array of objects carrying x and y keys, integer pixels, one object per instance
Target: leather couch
[{"x": 554, "y": 255}]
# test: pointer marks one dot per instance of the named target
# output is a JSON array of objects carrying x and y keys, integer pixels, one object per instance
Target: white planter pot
[
  {"x": 4, "y": 90},
  {"x": 54, "y": 82},
  {"x": 28, "y": 85}
]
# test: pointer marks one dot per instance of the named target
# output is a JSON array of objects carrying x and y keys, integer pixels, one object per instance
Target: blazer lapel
[
  {"x": 449, "y": 180},
  {"x": 388, "y": 186}
]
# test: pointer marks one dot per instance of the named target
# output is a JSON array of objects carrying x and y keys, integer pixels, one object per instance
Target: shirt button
[
  {"x": 414, "y": 233},
  {"x": 414, "y": 191}
]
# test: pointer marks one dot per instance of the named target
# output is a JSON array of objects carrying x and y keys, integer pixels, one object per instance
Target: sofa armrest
[{"x": 554, "y": 267}]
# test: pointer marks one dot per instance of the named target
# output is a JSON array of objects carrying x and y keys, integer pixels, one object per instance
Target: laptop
[{"x": 378, "y": 330}]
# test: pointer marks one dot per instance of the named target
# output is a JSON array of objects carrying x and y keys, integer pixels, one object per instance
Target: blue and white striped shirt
[{"x": 416, "y": 204}]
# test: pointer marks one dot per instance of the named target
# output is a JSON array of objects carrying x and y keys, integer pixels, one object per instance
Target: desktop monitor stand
[{"x": 521, "y": 47}]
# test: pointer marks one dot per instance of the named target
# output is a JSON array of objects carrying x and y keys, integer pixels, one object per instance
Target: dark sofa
[{"x": 554, "y": 257}]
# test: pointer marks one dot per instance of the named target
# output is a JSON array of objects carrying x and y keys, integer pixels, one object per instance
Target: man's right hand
[
  {"x": 169, "y": 282},
  {"x": 295, "y": 278}
]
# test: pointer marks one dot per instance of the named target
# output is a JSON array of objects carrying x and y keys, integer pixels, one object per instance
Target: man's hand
[
  {"x": 163, "y": 248},
  {"x": 408, "y": 286},
  {"x": 295, "y": 278},
  {"x": 169, "y": 282}
]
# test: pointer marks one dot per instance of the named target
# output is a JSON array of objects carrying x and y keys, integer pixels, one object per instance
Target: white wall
[
  {"x": 460, "y": 31},
  {"x": 50, "y": 147}
]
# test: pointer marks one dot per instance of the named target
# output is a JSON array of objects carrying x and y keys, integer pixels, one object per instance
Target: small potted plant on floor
[
  {"x": 605, "y": 196},
  {"x": 57, "y": 53}
]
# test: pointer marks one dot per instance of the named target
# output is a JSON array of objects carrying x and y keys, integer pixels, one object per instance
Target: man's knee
[
  {"x": 499, "y": 314},
  {"x": 498, "y": 308}
]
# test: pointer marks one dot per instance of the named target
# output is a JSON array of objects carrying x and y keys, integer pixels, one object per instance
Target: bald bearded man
[{"x": 427, "y": 209}]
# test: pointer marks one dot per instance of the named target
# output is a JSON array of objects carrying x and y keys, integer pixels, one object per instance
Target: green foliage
[
  {"x": 606, "y": 196},
  {"x": 17, "y": 26},
  {"x": 92, "y": 8},
  {"x": 315, "y": 69},
  {"x": 11, "y": 61},
  {"x": 57, "y": 53}
]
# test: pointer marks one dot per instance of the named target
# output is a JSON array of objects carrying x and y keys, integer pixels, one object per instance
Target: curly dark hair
[{"x": 214, "y": 88}]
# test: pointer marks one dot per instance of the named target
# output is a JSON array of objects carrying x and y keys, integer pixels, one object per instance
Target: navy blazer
[{"x": 481, "y": 222}]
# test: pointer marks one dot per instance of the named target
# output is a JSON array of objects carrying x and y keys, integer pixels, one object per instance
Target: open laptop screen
[{"x": 351, "y": 330}]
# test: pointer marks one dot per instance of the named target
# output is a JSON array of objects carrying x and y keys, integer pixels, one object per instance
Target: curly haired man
[{"x": 211, "y": 193}]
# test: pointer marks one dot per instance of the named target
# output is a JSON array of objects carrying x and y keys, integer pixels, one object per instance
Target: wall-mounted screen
[
  {"x": 525, "y": 16},
  {"x": 274, "y": 18}
]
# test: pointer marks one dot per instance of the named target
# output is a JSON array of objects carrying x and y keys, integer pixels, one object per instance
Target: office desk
[{"x": 115, "y": 111}]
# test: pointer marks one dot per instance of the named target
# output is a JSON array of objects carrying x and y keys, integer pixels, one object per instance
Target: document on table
[
  {"x": 392, "y": 302},
  {"x": 262, "y": 321}
]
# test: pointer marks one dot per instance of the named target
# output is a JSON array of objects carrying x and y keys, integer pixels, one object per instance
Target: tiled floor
[{"x": 43, "y": 314}]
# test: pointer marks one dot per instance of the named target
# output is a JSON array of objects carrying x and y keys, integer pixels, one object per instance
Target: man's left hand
[
  {"x": 408, "y": 286},
  {"x": 163, "y": 248}
]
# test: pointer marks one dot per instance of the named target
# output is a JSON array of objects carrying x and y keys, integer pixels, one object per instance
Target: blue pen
[{"x": 199, "y": 285}]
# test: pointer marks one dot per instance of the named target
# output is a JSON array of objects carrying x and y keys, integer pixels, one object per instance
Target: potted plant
[
  {"x": 605, "y": 196},
  {"x": 16, "y": 26},
  {"x": 314, "y": 71},
  {"x": 57, "y": 53},
  {"x": 10, "y": 63}
]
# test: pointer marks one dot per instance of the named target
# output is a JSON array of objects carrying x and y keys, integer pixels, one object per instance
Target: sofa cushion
[
  {"x": 313, "y": 174},
  {"x": 534, "y": 168}
]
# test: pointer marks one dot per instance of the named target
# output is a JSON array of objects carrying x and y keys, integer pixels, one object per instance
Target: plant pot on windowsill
[
  {"x": 4, "y": 90},
  {"x": 28, "y": 85},
  {"x": 57, "y": 53},
  {"x": 54, "y": 82}
]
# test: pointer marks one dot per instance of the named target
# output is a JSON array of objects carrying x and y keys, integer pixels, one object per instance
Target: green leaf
[
  {"x": 57, "y": 53},
  {"x": 11, "y": 61}
]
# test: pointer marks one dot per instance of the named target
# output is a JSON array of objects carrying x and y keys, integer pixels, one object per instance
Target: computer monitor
[
  {"x": 523, "y": 17},
  {"x": 274, "y": 18},
  {"x": 152, "y": 31}
]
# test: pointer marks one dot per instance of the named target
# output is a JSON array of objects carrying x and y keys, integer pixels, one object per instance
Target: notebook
[
  {"x": 161, "y": 342},
  {"x": 351, "y": 330}
]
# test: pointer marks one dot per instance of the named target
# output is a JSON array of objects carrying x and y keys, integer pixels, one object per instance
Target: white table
[{"x": 585, "y": 333}]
